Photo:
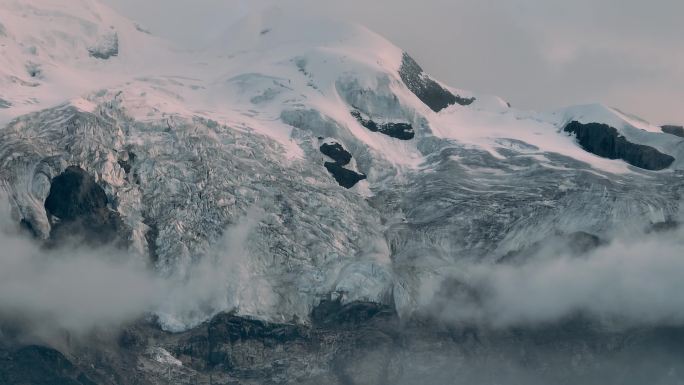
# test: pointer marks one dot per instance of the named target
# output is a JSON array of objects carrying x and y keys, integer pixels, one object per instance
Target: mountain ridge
[{"x": 214, "y": 168}]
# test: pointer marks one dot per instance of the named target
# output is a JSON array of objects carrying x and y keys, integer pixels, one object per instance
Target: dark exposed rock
[
  {"x": 228, "y": 327},
  {"x": 362, "y": 343},
  {"x": 336, "y": 152},
  {"x": 344, "y": 177},
  {"x": 151, "y": 236},
  {"x": 128, "y": 339},
  {"x": 229, "y": 337},
  {"x": 674, "y": 130},
  {"x": 4, "y": 103},
  {"x": 34, "y": 70},
  {"x": 661, "y": 227},
  {"x": 575, "y": 244},
  {"x": 581, "y": 242},
  {"x": 73, "y": 194},
  {"x": 84, "y": 380},
  {"x": 370, "y": 335},
  {"x": 427, "y": 90},
  {"x": 125, "y": 165},
  {"x": 260, "y": 351},
  {"x": 107, "y": 47},
  {"x": 402, "y": 131},
  {"x": 605, "y": 141},
  {"x": 127, "y": 162},
  {"x": 39, "y": 365},
  {"x": 334, "y": 313},
  {"x": 77, "y": 206}
]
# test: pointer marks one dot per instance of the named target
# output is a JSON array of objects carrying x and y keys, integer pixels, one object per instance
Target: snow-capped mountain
[
  {"x": 432, "y": 175},
  {"x": 298, "y": 160}
]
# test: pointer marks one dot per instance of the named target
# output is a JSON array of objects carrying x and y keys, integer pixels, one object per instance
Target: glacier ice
[{"x": 214, "y": 165}]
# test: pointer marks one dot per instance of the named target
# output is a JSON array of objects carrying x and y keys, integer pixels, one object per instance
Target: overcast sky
[{"x": 537, "y": 54}]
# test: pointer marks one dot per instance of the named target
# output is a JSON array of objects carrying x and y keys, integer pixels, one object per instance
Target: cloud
[
  {"x": 79, "y": 289},
  {"x": 634, "y": 281},
  {"x": 75, "y": 289},
  {"x": 224, "y": 279}
]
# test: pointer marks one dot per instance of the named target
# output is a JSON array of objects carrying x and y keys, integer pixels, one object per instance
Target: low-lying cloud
[
  {"x": 224, "y": 279},
  {"x": 79, "y": 290},
  {"x": 634, "y": 281},
  {"x": 76, "y": 289}
]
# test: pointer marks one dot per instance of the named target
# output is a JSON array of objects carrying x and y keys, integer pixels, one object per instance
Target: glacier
[
  {"x": 305, "y": 173},
  {"x": 186, "y": 157}
]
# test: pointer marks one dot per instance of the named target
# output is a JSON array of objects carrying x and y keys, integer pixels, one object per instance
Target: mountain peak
[{"x": 274, "y": 27}]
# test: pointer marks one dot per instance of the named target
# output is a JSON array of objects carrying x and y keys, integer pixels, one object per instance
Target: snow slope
[
  {"x": 52, "y": 51},
  {"x": 234, "y": 131}
]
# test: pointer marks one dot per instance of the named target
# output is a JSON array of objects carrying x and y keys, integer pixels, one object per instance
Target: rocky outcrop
[
  {"x": 126, "y": 161},
  {"x": 227, "y": 332},
  {"x": 663, "y": 227},
  {"x": 402, "y": 131},
  {"x": 35, "y": 364},
  {"x": 344, "y": 177},
  {"x": 361, "y": 343},
  {"x": 605, "y": 141},
  {"x": 336, "y": 152},
  {"x": 78, "y": 206},
  {"x": 106, "y": 47},
  {"x": 335, "y": 313},
  {"x": 674, "y": 130},
  {"x": 357, "y": 343},
  {"x": 427, "y": 90},
  {"x": 4, "y": 103},
  {"x": 250, "y": 351}
]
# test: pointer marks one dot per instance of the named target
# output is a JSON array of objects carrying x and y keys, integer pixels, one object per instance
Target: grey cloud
[
  {"x": 75, "y": 290},
  {"x": 80, "y": 290},
  {"x": 625, "y": 284}
]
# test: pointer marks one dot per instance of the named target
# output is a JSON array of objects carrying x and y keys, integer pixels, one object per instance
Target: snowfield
[{"x": 212, "y": 160}]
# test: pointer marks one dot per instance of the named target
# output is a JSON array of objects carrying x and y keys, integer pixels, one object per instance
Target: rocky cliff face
[
  {"x": 674, "y": 130},
  {"x": 77, "y": 207},
  {"x": 605, "y": 141},
  {"x": 426, "y": 89},
  {"x": 355, "y": 344}
]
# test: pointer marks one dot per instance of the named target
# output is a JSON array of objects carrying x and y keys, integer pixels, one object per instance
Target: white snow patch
[{"x": 163, "y": 356}]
